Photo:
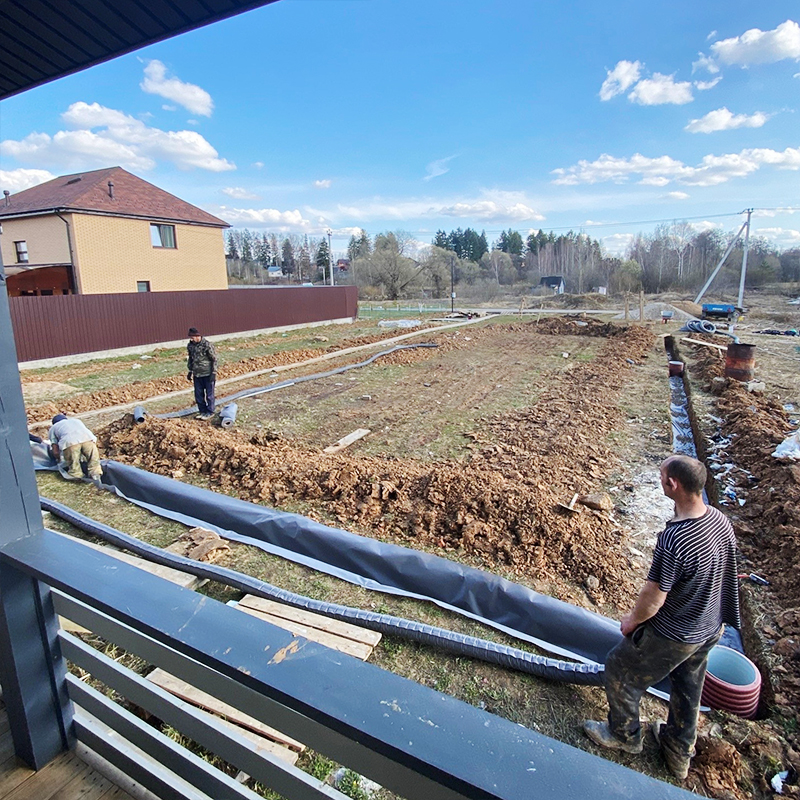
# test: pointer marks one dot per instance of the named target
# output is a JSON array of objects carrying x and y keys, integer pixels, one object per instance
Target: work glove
[{"x": 188, "y": 376}]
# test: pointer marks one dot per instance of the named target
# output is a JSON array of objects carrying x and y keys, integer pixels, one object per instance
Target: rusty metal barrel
[{"x": 739, "y": 361}]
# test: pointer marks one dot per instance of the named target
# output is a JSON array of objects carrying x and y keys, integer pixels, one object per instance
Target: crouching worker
[{"x": 72, "y": 443}]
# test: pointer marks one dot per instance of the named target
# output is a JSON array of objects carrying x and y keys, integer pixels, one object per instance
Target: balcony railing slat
[
  {"x": 174, "y": 757},
  {"x": 289, "y": 781},
  {"x": 130, "y": 761}
]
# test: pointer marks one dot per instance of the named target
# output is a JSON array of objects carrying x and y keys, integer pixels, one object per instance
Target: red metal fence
[{"x": 60, "y": 325}]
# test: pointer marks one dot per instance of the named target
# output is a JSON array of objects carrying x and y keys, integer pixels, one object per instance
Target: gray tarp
[{"x": 553, "y": 625}]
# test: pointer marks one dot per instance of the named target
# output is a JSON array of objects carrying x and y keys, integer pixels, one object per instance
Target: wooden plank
[
  {"x": 42, "y": 785},
  {"x": 12, "y": 773},
  {"x": 6, "y": 746},
  {"x": 344, "y": 629},
  {"x": 346, "y": 441},
  {"x": 115, "y": 793},
  {"x": 206, "y": 701},
  {"x": 85, "y": 787},
  {"x": 260, "y": 743},
  {"x": 720, "y": 347},
  {"x": 184, "y": 579},
  {"x": 356, "y": 649}
]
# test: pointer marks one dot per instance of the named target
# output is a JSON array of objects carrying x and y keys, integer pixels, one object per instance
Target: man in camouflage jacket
[{"x": 202, "y": 366}]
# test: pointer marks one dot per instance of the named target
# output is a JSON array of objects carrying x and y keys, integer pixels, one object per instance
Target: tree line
[{"x": 393, "y": 265}]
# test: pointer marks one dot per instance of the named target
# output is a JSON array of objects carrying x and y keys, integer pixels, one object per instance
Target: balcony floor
[{"x": 65, "y": 778}]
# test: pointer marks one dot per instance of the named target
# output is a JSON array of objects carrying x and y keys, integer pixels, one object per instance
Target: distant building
[
  {"x": 343, "y": 264},
  {"x": 274, "y": 273},
  {"x": 555, "y": 283},
  {"x": 108, "y": 231}
]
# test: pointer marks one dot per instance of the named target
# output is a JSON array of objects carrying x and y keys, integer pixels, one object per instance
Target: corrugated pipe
[
  {"x": 185, "y": 412},
  {"x": 450, "y": 641}
]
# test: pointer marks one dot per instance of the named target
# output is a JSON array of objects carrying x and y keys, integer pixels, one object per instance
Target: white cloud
[
  {"x": 501, "y": 207},
  {"x": 490, "y": 211},
  {"x": 437, "y": 168},
  {"x": 712, "y": 35},
  {"x": 704, "y": 86},
  {"x": 166, "y": 107},
  {"x": 774, "y": 212},
  {"x": 724, "y": 120},
  {"x": 783, "y": 237},
  {"x": 16, "y": 180},
  {"x": 624, "y": 75},
  {"x": 617, "y": 243},
  {"x": 654, "y": 180},
  {"x": 711, "y": 171},
  {"x": 238, "y": 193},
  {"x": 121, "y": 139},
  {"x": 258, "y": 164},
  {"x": 676, "y": 196},
  {"x": 655, "y": 171},
  {"x": 283, "y": 221},
  {"x": 705, "y": 62},
  {"x": 323, "y": 184},
  {"x": 191, "y": 97},
  {"x": 760, "y": 47},
  {"x": 660, "y": 90}
]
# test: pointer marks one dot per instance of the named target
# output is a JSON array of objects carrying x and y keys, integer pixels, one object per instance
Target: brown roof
[{"x": 89, "y": 191}]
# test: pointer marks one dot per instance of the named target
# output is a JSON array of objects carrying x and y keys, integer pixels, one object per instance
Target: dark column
[{"x": 31, "y": 668}]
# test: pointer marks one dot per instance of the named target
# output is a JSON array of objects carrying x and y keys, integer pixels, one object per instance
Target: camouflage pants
[
  {"x": 74, "y": 454},
  {"x": 643, "y": 659}
]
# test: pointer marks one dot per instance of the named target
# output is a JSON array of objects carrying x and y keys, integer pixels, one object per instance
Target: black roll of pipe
[{"x": 450, "y": 641}]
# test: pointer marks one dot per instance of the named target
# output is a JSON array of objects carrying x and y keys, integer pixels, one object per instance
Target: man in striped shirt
[{"x": 690, "y": 591}]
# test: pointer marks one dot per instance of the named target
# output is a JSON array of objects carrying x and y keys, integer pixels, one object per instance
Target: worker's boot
[
  {"x": 600, "y": 733},
  {"x": 677, "y": 765}
]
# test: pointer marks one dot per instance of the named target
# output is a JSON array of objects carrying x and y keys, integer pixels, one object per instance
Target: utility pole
[
  {"x": 330, "y": 256},
  {"x": 452, "y": 285},
  {"x": 749, "y": 211}
]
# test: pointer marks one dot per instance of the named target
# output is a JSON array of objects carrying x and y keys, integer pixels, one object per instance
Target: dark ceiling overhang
[{"x": 41, "y": 40}]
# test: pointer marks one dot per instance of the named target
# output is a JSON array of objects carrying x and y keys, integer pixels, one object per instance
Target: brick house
[{"x": 108, "y": 231}]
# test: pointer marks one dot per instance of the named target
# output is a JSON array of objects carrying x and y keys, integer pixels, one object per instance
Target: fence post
[{"x": 32, "y": 672}]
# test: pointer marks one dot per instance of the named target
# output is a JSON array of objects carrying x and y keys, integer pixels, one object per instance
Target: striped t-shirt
[{"x": 695, "y": 563}]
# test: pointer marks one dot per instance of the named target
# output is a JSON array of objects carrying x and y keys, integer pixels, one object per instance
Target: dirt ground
[{"x": 474, "y": 443}]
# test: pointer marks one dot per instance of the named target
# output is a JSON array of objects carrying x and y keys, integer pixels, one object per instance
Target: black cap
[{"x": 194, "y": 332}]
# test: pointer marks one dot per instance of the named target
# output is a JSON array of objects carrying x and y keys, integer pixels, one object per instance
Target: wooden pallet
[
  {"x": 261, "y": 734},
  {"x": 342, "y": 636}
]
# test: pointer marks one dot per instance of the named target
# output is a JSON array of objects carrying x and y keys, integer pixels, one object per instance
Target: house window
[
  {"x": 22, "y": 252},
  {"x": 142, "y": 286},
  {"x": 162, "y": 235}
]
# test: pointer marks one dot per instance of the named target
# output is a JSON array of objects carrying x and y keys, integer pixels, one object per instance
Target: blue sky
[{"x": 425, "y": 114}]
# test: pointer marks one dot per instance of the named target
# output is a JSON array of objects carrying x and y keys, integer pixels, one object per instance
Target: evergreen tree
[
  {"x": 287, "y": 257},
  {"x": 233, "y": 250},
  {"x": 323, "y": 259}
]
